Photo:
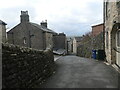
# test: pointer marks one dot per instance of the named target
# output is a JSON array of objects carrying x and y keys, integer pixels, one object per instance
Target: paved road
[{"x": 76, "y": 72}]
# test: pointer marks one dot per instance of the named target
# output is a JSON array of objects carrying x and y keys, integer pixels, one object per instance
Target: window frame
[
  {"x": 107, "y": 39},
  {"x": 24, "y": 40},
  {"x": 118, "y": 38}
]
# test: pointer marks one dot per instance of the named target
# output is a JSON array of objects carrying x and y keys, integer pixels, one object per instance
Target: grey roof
[
  {"x": 78, "y": 38},
  {"x": 2, "y": 23},
  {"x": 42, "y": 28}
]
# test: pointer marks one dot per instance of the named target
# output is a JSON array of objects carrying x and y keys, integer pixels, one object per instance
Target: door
[{"x": 118, "y": 48}]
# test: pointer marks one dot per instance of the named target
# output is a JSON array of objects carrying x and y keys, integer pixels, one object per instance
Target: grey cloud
[
  {"x": 71, "y": 20},
  {"x": 12, "y": 15}
]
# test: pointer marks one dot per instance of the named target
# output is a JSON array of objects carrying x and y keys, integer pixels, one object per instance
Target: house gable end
[{"x": 14, "y": 28}]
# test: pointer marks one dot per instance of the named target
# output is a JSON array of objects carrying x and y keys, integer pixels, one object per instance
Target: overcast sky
[{"x": 73, "y": 17}]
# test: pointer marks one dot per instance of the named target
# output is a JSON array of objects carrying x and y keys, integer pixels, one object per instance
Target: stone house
[
  {"x": 76, "y": 43},
  {"x": 2, "y": 31},
  {"x": 60, "y": 43},
  {"x": 112, "y": 31},
  {"x": 30, "y": 34},
  {"x": 97, "y": 29}
]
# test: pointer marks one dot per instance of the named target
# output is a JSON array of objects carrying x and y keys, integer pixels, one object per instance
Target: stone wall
[
  {"x": 94, "y": 43},
  {"x": 59, "y": 41},
  {"x": 24, "y": 67},
  {"x": 85, "y": 50},
  {"x": 49, "y": 40},
  {"x": 111, "y": 18},
  {"x": 0, "y": 68}
]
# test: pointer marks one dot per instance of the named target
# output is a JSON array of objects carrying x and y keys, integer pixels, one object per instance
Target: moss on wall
[{"x": 24, "y": 67}]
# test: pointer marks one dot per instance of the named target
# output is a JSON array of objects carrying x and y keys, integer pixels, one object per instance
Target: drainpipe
[
  {"x": 104, "y": 13},
  {"x": 30, "y": 35},
  {"x": 104, "y": 25},
  {"x": 29, "y": 39}
]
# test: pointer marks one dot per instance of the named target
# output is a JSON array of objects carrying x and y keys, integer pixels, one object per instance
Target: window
[
  {"x": 118, "y": 38},
  {"x": 107, "y": 40},
  {"x": 24, "y": 40}
]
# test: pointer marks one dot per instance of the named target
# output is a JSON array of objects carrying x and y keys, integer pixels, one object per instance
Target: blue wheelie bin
[{"x": 94, "y": 54}]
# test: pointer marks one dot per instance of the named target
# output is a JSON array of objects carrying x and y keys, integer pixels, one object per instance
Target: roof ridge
[{"x": 40, "y": 27}]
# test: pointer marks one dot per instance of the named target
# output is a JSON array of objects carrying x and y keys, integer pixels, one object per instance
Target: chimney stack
[
  {"x": 24, "y": 16},
  {"x": 44, "y": 24}
]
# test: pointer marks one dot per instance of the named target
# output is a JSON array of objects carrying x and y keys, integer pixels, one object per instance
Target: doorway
[
  {"x": 115, "y": 44},
  {"x": 118, "y": 47}
]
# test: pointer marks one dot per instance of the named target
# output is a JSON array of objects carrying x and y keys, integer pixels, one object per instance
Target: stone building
[
  {"x": 97, "y": 29},
  {"x": 69, "y": 45},
  {"x": 30, "y": 34},
  {"x": 60, "y": 43},
  {"x": 2, "y": 31},
  {"x": 112, "y": 31},
  {"x": 97, "y": 37},
  {"x": 91, "y": 41},
  {"x": 76, "y": 43}
]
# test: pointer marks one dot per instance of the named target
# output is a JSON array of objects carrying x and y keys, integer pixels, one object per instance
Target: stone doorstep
[
  {"x": 116, "y": 67},
  {"x": 106, "y": 63}
]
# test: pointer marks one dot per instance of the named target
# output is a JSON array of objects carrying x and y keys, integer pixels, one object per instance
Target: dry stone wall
[{"x": 24, "y": 67}]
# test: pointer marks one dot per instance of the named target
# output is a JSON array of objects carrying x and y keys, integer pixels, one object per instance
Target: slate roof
[
  {"x": 2, "y": 23},
  {"x": 42, "y": 28}
]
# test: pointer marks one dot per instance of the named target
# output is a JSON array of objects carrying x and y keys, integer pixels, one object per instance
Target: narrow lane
[{"x": 77, "y": 72}]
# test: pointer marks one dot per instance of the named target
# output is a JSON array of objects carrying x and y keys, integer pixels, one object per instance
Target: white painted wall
[{"x": 74, "y": 46}]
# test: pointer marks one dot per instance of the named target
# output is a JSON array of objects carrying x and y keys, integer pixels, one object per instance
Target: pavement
[
  {"x": 56, "y": 57},
  {"x": 77, "y": 72}
]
